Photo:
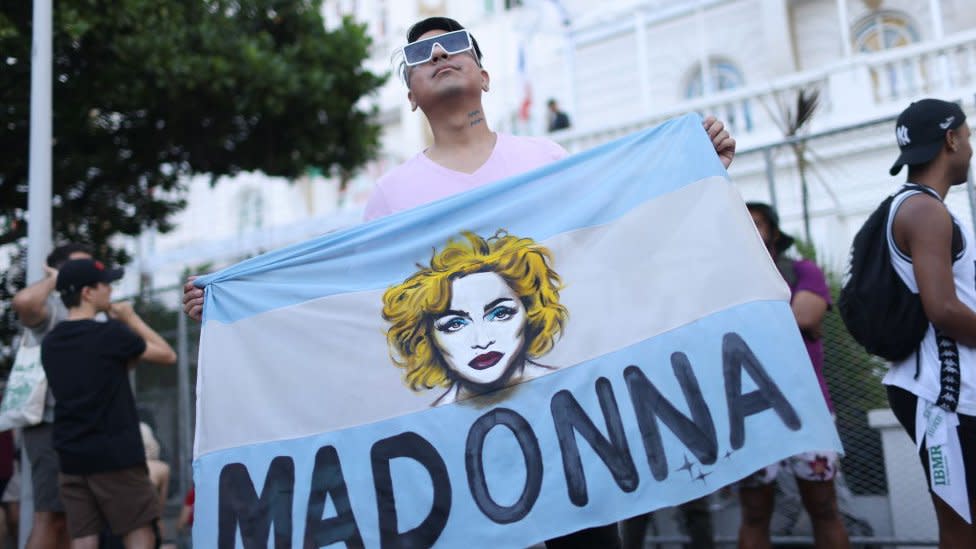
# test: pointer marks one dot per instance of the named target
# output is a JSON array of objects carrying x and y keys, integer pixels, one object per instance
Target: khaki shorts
[{"x": 122, "y": 500}]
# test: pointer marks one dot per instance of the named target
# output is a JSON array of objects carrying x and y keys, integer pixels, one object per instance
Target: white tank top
[{"x": 943, "y": 372}]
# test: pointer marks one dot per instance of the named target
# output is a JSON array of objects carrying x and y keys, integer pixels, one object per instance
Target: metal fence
[
  {"x": 854, "y": 381},
  {"x": 165, "y": 397},
  {"x": 881, "y": 488}
]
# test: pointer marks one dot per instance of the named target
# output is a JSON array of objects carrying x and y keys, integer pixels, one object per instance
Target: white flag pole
[
  {"x": 39, "y": 193},
  {"x": 38, "y": 197}
]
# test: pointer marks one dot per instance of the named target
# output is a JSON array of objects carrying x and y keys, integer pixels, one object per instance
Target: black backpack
[{"x": 880, "y": 312}]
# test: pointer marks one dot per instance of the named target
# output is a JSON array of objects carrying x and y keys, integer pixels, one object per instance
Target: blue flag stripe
[
  {"x": 765, "y": 327},
  {"x": 379, "y": 253}
]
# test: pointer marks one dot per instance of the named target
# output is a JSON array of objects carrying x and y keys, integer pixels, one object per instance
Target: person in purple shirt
[{"x": 814, "y": 471}]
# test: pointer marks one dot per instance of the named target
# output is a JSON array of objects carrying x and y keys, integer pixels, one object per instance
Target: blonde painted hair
[{"x": 412, "y": 306}]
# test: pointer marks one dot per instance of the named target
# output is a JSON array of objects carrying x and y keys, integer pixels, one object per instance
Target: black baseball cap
[
  {"x": 921, "y": 130},
  {"x": 439, "y": 23},
  {"x": 78, "y": 273},
  {"x": 784, "y": 241}
]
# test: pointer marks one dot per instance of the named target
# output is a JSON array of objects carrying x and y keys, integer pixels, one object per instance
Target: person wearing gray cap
[{"x": 932, "y": 392}]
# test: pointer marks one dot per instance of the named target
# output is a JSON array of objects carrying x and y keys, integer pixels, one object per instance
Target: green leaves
[
  {"x": 196, "y": 87},
  {"x": 146, "y": 92}
]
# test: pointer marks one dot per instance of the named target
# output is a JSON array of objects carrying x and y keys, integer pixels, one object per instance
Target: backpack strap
[
  {"x": 907, "y": 187},
  {"x": 957, "y": 243},
  {"x": 787, "y": 269},
  {"x": 955, "y": 230}
]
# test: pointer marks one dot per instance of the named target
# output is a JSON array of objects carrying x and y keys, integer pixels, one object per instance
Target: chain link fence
[
  {"x": 165, "y": 398},
  {"x": 854, "y": 381},
  {"x": 881, "y": 489}
]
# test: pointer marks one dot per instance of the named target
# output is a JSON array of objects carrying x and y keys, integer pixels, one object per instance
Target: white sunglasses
[{"x": 422, "y": 51}]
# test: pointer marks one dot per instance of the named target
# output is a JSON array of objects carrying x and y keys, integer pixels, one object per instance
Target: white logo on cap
[
  {"x": 902, "y": 134},
  {"x": 948, "y": 122}
]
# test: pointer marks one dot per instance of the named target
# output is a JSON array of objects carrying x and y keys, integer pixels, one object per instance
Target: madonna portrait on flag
[{"x": 477, "y": 318}]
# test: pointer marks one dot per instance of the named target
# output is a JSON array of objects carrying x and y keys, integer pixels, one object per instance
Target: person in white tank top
[{"x": 933, "y": 392}]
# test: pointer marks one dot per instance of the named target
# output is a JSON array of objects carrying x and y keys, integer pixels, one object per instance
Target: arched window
[
  {"x": 250, "y": 210},
  {"x": 722, "y": 75},
  {"x": 883, "y": 30}
]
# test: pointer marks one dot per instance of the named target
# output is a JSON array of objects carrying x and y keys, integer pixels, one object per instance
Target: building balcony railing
[{"x": 865, "y": 86}]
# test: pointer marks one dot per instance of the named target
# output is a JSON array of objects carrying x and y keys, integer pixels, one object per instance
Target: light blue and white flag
[{"x": 595, "y": 339}]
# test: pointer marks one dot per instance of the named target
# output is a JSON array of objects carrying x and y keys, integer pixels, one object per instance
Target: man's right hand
[
  {"x": 192, "y": 299},
  {"x": 121, "y": 310}
]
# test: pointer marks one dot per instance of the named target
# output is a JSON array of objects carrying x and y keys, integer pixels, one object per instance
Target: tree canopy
[{"x": 146, "y": 92}]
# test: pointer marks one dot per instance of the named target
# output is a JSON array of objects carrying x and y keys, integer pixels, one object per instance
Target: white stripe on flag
[{"x": 702, "y": 257}]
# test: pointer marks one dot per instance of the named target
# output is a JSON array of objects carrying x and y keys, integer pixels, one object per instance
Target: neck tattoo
[{"x": 476, "y": 118}]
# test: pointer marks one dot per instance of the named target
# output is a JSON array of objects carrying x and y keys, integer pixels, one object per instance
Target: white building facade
[{"x": 621, "y": 65}]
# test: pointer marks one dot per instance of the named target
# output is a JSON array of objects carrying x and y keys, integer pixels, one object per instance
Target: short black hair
[
  {"x": 439, "y": 23},
  {"x": 73, "y": 299},
  {"x": 423, "y": 26},
  {"x": 783, "y": 240},
  {"x": 61, "y": 254}
]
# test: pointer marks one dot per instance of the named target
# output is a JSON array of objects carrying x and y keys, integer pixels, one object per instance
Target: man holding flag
[{"x": 442, "y": 70}]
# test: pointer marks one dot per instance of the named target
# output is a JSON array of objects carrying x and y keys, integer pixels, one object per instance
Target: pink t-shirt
[{"x": 421, "y": 180}]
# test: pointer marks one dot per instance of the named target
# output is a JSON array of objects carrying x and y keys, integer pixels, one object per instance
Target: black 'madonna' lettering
[
  {"x": 570, "y": 419},
  {"x": 240, "y": 508},
  {"x": 737, "y": 356},
  {"x": 409, "y": 445},
  {"x": 238, "y": 504},
  {"x": 475, "y": 467},
  {"x": 327, "y": 481},
  {"x": 697, "y": 434}
]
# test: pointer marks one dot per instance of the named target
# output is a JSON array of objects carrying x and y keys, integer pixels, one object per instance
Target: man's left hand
[{"x": 721, "y": 140}]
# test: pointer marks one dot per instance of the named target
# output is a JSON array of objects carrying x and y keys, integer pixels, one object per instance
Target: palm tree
[{"x": 791, "y": 115}]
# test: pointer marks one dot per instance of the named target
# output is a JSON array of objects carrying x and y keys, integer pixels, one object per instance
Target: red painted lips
[{"x": 486, "y": 360}]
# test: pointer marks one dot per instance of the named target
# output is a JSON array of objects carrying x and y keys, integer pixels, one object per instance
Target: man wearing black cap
[
  {"x": 933, "y": 391},
  {"x": 815, "y": 470},
  {"x": 104, "y": 480}
]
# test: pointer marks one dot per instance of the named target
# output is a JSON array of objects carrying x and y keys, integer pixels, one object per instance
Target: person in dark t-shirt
[
  {"x": 104, "y": 480},
  {"x": 558, "y": 120}
]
